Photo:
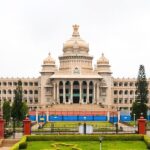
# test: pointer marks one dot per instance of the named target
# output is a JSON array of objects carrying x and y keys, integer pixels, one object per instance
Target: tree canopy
[
  {"x": 139, "y": 106},
  {"x": 19, "y": 109}
]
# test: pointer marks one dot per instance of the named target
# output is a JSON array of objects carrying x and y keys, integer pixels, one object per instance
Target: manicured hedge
[
  {"x": 124, "y": 137},
  {"x": 21, "y": 144},
  {"x": 147, "y": 141},
  {"x": 127, "y": 137}
]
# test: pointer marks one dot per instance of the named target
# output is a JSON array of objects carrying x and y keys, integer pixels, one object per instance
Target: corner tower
[
  {"x": 48, "y": 69},
  {"x": 103, "y": 69}
]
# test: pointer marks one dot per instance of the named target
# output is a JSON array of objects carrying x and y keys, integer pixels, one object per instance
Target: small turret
[
  {"x": 103, "y": 66},
  {"x": 49, "y": 65}
]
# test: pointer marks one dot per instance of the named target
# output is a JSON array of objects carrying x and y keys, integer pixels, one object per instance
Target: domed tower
[
  {"x": 48, "y": 66},
  {"x": 48, "y": 69},
  {"x": 103, "y": 69},
  {"x": 75, "y": 45},
  {"x": 75, "y": 54}
]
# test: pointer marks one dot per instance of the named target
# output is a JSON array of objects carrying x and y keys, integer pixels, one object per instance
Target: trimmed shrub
[
  {"x": 127, "y": 137},
  {"x": 147, "y": 141},
  {"x": 21, "y": 144}
]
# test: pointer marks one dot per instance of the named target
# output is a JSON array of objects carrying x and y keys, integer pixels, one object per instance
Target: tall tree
[
  {"x": 139, "y": 106},
  {"x": 24, "y": 110},
  {"x": 6, "y": 111},
  {"x": 17, "y": 107}
]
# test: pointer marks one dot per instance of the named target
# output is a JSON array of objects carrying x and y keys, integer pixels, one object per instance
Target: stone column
[
  {"x": 87, "y": 99},
  {"x": 97, "y": 92},
  {"x": 80, "y": 84},
  {"x": 54, "y": 94},
  {"x": 58, "y": 101},
  {"x": 64, "y": 92},
  {"x": 47, "y": 115},
  {"x": 37, "y": 116},
  {"x": 71, "y": 92},
  {"x": 94, "y": 93}
]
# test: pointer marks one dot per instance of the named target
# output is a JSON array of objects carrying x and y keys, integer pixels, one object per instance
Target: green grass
[
  {"x": 89, "y": 145},
  {"x": 73, "y": 126},
  {"x": 76, "y": 124}
]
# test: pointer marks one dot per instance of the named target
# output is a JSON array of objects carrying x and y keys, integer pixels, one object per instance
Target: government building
[{"x": 75, "y": 83}]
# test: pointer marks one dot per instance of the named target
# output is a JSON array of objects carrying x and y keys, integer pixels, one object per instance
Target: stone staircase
[{"x": 78, "y": 107}]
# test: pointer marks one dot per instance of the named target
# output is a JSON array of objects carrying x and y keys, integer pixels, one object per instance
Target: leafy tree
[
  {"x": 139, "y": 106},
  {"x": 6, "y": 111},
  {"x": 24, "y": 110},
  {"x": 19, "y": 109}
]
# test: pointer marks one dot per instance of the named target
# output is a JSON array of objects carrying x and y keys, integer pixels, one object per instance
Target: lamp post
[
  {"x": 134, "y": 120},
  {"x": 100, "y": 139},
  {"x": 13, "y": 126}
]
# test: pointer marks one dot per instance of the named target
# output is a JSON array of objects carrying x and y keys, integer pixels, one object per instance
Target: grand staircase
[{"x": 78, "y": 107}]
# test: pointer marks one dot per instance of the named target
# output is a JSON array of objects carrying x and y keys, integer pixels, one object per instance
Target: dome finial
[
  {"x": 49, "y": 54},
  {"x": 75, "y": 30}
]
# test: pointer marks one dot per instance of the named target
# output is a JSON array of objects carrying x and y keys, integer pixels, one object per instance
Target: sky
[{"x": 30, "y": 29}]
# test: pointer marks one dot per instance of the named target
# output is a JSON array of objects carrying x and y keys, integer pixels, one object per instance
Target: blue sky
[{"x": 30, "y": 29}]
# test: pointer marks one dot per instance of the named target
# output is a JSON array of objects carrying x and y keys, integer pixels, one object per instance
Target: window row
[
  {"x": 123, "y": 101},
  {"x": 13, "y": 91},
  {"x": 126, "y": 92},
  {"x": 15, "y": 83},
  {"x": 124, "y": 84},
  {"x": 31, "y": 99}
]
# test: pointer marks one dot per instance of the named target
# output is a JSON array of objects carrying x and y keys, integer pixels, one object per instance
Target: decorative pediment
[{"x": 76, "y": 70}]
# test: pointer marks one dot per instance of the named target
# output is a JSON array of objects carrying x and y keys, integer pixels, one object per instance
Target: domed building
[{"x": 76, "y": 83}]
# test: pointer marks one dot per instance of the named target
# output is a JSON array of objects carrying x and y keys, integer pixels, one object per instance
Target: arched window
[
  {"x": 125, "y": 92},
  {"x": 9, "y": 92},
  {"x": 4, "y": 91},
  {"x": 35, "y": 91},
  {"x": 25, "y": 92},
  {"x": 120, "y": 92},
  {"x": 115, "y": 92},
  {"x": 30, "y": 92}
]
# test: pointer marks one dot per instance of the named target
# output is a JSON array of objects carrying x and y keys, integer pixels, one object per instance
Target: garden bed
[{"x": 83, "y": 142}]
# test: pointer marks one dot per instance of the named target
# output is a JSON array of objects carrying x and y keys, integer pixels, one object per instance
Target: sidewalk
[{"x": 127, "y": 128}]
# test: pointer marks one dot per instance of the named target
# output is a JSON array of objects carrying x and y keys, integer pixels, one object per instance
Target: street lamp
[
  {"x": 13, "y": 125},
  {"x": 134, "y": 119},
  {"x": 100, "y": 139}
]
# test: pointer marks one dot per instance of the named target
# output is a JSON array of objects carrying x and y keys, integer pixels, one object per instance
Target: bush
[
  {"x": 147, "y": 141},
  {"x": 21, "y": 144},
  {"x": 127, "y": 137}
]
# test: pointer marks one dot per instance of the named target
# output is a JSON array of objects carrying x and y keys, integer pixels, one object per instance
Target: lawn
[
  {"x": 76, "y": 124},
  {"x": 73, "y": 126},
  {"x": 86, "y": 145}
]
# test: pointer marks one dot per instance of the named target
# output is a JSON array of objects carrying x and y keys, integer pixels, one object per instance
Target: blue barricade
[
  {"x": 70, "y": 118},
  {"x": 113, "y": 119},
  {"x": 125, "y": 118},
  {"x": 55, "y": 118},
  {"x": 148, "y": 117},
  {"x": 100, "y": 118},
  {"x": 85, "y": 118},
  {"x": 42, "y": 118},
  {"x": 32, "y": 117}
]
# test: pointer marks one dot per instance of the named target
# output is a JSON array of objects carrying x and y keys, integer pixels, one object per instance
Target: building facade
[{"x": 74, "y": 82}]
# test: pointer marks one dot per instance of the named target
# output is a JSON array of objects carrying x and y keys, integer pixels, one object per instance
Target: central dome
[{"x": 75, "y": 44}]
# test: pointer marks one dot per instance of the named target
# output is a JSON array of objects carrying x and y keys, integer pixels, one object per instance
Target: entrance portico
[{"x": 76, "y": 91}]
